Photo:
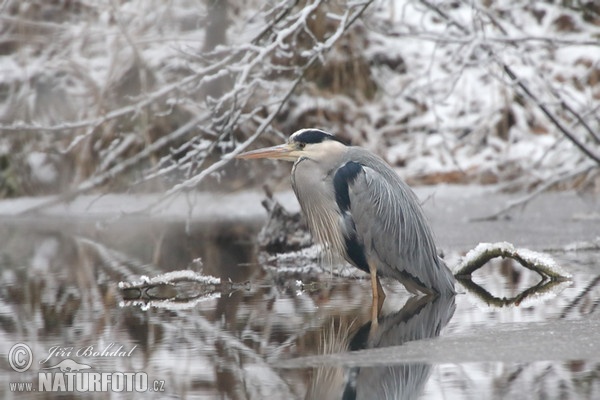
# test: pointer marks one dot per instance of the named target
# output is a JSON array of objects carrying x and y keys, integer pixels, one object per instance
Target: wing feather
[{"x": 391, "y": 225}]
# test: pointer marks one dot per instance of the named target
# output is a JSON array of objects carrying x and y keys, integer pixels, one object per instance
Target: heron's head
[{"x": 310, "y": 143}]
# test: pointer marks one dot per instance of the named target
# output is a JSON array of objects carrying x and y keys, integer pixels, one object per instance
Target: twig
[
  {"x": 118, "y": 169},
  {"x": 551, "y": 116},
  {"x": 594, "y": 283},
  {"x": 265, "y": 124},
  {"x": 242, "y": 89},
  {"x": 203, "y": 74},
  {"x": 275, "y": 21},
  {"x": 563, "y": 103}
]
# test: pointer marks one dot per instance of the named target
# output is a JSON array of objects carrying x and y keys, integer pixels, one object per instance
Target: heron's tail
[{"x": 444, "y": 285}]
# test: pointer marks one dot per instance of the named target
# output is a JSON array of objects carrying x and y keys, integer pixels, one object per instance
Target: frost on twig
[
  {"x": 170, "y": 278},
  {"x": 538, "y": 262},
  {"x": 169, "y": 100},
  {"x": 160, "y": 96}
]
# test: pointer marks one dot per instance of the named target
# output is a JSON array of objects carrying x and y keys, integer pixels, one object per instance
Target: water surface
[{"x": 265, "y": 334}]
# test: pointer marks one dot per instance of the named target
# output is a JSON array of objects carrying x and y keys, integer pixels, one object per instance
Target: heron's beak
[{"x": 281, "y": 152}]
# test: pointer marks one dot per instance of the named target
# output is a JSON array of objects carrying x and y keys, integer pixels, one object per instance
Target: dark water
[{"x": 279, "y": 336}]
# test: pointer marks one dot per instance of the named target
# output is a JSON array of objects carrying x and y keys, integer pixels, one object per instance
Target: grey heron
[{"x": 357, "y": 207}]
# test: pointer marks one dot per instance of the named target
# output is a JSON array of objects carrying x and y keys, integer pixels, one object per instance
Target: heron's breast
[{"x": 314, "y": 189}]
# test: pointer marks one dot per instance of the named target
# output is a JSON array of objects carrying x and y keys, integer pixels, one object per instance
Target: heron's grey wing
[
  {"x": 392, "y": 227},
  {"x": 344, "y": 177}
]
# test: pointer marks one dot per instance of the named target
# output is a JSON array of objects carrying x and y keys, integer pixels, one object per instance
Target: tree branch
[{"x": 521, "y": 84}]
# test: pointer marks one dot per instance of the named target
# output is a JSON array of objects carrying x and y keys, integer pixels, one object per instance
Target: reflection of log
[
  {"x": 538, "y": 262},
  {"x": 542, "y": 287},
  {"x": 177, "y": 286}
]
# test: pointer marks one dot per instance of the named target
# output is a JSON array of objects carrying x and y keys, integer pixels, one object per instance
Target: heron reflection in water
[
  {"x": 357, "y": 207},
  {"x": 422, "y": 317}
]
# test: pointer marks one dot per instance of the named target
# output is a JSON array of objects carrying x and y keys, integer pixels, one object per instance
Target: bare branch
[
  {"x": 97, "y": 181},
  {"x": 522, "y": 85},
  {"x": 541, "y": 189},
  {"x": 265, "y": 123},
  {"x": 584, "y": 149},
  {"x": 538, "y": 262}
]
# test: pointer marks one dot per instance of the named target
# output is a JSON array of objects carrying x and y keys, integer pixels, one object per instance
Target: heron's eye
[{"x": 301, "y": 146}]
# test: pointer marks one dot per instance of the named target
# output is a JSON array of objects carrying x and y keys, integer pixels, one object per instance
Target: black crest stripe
[{"x": 311, "y": 136}]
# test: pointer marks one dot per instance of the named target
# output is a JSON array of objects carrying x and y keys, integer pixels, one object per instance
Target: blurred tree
[{"x": 148, "y": 95}]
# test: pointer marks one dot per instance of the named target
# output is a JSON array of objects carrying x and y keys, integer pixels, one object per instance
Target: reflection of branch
[
  {"x": 169, "y": 303},
  {"x": 595, "y": 282},
  {"x": 538, "y": 262},
  {"x": 542, "y": 287},
  {"x": 176, "y": 286},
  {"x": 171, "y": 278}
]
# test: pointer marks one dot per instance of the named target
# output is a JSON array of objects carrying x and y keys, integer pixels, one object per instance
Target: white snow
[
  {"x": 542, "y": 262},
  {"x": 171, "y": 277},
  {"x": 41, "y": 170}
]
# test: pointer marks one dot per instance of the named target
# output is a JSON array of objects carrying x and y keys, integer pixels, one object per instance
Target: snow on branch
[
  {"x": 171, "y": 278},
  {"x": 541, "y": 263},
  {"x": 159, "y": 96},
  {"x": 582, "y": 143},
  {"x": 185, "y": 112},
  {"x": 506, "y": 91},
  {"x": 173, "y": 290}
]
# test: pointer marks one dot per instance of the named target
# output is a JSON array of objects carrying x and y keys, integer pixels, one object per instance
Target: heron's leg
[
  {"x": 378, "y": 293},
  {"x": 381, "y": 293}
]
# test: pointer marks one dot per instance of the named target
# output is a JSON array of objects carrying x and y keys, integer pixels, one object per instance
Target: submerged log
[{"x": 284, "y": 231}]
